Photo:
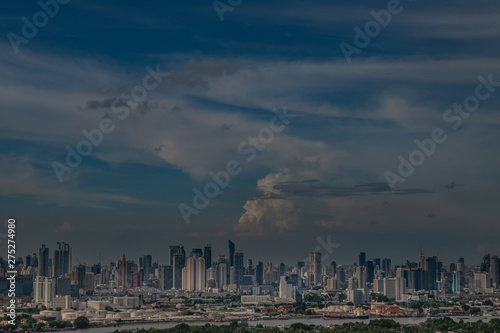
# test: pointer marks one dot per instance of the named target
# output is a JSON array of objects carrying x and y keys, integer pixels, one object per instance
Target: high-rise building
[
  {"x": 370, "y": 271},
  {"x": 173, "y": 250},
  {"x": 43, "y": 261},
  {"x": 166, "y": 277},
  {"x": 249, "y": 267},
  {"x": 122, "y": 268},
  {"x": 222, "y": 268},
  {"x": 62, "y": 260},
  {"x": 457, "y": 282},
  {"x": 429, "y": 265},
  {"x": 315, "y": 268},
  {"x": 194, "y": 274},
  {"x": 207, "y": 254},
  {"x": 495, "y": 271},
  {"x": 259, "y": 273},
  {"x": 362, "y": 259},
  {"x": 333, "y": 269},
  {"x": 179, "y": 262},
  {"x": 44, "y": 290},
  {"x": 197, "y": 252},
  {"x": 239, "y": 268},
  {"x": 145, "y": 264},
  {"x": 231, "y": 253},
  {"x": 485, "y": 263},
  {"x": 282, "y": 269},
  {"x": 386, "y": 266}
]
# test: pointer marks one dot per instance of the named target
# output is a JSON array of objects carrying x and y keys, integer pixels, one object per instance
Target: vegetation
[
  {"x": 374, "y": 326},
  {"x": 81, "y": 322}
]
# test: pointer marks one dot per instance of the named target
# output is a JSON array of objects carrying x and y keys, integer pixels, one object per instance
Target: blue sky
[{"x": 322, "y": 175}]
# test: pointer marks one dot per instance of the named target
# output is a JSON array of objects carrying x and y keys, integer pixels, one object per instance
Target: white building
[
  {"x": 358, "y": 296},
  {"x": 126, "y": 301},
  {"x": 286, "y": 290},
  {"x": 44, "y": 290},
  {"x": 97, "y": 305}
]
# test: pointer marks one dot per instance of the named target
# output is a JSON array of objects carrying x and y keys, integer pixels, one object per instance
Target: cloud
[{"x": 268, "y": 217}]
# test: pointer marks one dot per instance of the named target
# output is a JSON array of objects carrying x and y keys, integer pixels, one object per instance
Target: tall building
[
  {"x": 495, "y": 271},
  {"x": 362, "y": 259},
  {"x": 166, "y": 277},
  {"x": 239, "y": 268},
  {"x": 457, "y": 282},
  {"x": 122, "y": 268},
  {"x": 179, "y": 262},
  {"x": 386, "y": 266},
  {"x": 259, "y": 273},
  {"x": 333, "y": 269},
  {"x": 173, "y": 250},
  {"x": 145, "y": 264},
  {"x": 207, "y": 254},
  {"x": 282, "y": 269},
  {"x": 315, "y": 268},
  {"x": 62, "y": 260},
  {"x": 485, "y": 263},
  {"x": 370, "y": 271},
  {"x": 44, "y": 290},
  {"x": 194, "y": 274},
  {"x": 223, "y": 268},
  {"x": 286, "y": 290},
  {"x": 43, "y": 261},
  {"x": 429, "y": 265},
  {"x": 197, "y": 252},
  {"x": 231, "y": 253}
]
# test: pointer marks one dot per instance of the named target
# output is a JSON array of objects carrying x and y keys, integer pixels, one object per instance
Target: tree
[{"x": 81, "y": 322}]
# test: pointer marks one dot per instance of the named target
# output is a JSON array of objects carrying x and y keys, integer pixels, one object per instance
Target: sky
[{"x": 315, "y": 115}]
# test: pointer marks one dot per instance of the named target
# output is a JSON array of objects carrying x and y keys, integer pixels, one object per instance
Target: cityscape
[
  {"x": 197, "y": 286},
  {"x": 250, "y": 166}
]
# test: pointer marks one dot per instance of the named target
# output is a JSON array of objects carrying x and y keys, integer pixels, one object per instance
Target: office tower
[
  {"x": 282, "y": 269},
  {"x": 430, "y": 272},
  {"x": 461, "y": 265},
  {"x": 166, "y": 277},
  {"x": 495, "y": 271},
  {"x": 341, "y": 274},
  {"x": 377, "y": 263},
  {"x": 80, "y": 276},
  {"x": 231, "y": 253},
  {"x": 457, "y": 282},
  {"x": 179, "y": 262},
  {"x": 28, "y": 260},
  {"x": 300, "y": 264},
  {"x": 370, "y": 271},
  {"x": 333, "y": 269},
  {"x": 315, "y": 268},
  {"x": 197, "y": 253},
  {"x": 386, "y": 266},
  {"x": 145, "y": 263},
  {"x": 239, "y": 268},
  {"x": 122, "y": 268},
  {"x": 63, "y": 286},
  {"x": 96, "y": 269},
  {"x": 173, "y": 250},
  {"x": 394, "y": 288},
  {"x": 259, "y": 273},
  {"x": 361, "y": 276},
  {"x": 485, "y": 263},
  {"x": 207, "y": 254},
  {"x": 88, "y": 282},
  {"x": 482, "y": 282},
  {"x": 62, "y": 260},
  {"x": 249, "y": 267},
  {"x": 404, "y": 272},
  {"x": 362, "y": 259},
  {"x": 43, "y": 262}
]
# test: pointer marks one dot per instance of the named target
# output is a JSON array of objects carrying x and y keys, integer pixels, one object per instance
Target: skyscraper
[
  {"x": 231, "y": 253},
  {"x": 62, "y": 260},
  {"x": 207, "y": 254},
  {"x": 145, "y": 263},
  {"x": 333, "y": 268},
  {"x": 259, "y": 273},
  {"x": 362, "y": 259},
  {"x": 239, "y": 268},
  {"x": 315, "y": 268},
  {"x": 43, "y": 261},
  {"x": 177, "y": 261}
]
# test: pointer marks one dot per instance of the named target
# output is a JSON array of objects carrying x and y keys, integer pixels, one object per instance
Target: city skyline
[{"x": 130, "y": 125}]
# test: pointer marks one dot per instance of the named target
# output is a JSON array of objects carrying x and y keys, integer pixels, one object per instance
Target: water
[{"x": 308, "y": 321}]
